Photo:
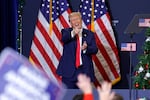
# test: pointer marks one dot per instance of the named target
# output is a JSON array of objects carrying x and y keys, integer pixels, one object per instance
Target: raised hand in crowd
[{"x": 105, "y": 92}]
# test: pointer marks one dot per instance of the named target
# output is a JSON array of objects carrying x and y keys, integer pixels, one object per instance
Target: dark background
[
  {"x": 121, "y": 11},
  {"x": 8, "y": 23}
]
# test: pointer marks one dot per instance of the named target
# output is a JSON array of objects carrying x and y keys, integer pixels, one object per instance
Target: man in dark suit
[{"x": 73, "y": 38}]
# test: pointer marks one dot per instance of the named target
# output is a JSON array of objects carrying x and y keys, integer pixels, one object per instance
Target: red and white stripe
[
  {"x": 107, "y": 59},
  {"x": 46, "y": 48}
]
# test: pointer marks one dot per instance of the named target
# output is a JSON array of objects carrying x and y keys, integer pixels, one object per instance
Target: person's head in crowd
[
  {"x": 78, "y": 97},
  {"x": 117, "y": 97}
]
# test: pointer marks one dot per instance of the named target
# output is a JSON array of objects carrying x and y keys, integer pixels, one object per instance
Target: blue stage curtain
[{"x": 8, "y": 24}]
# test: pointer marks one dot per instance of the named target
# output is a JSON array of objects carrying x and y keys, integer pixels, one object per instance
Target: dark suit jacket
[{"x": 66, "y": 67}]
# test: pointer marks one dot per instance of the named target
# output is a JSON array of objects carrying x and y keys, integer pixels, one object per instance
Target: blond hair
[{"x": 74, "y": 13}]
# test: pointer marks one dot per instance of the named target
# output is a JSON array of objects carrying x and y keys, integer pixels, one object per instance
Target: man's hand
[
  {"x": 84, "y": 46},
  {"x": 84, "y": 84},
  {"x": 76, "y": 30}
]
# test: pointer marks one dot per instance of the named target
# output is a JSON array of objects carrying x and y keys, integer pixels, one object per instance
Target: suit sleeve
[
  {"x": 66, "y": 36},
  {"x": 92, "y": 47}
]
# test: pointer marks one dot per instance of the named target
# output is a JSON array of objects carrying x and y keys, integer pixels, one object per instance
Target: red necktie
[{"x": 78, "y": 52}]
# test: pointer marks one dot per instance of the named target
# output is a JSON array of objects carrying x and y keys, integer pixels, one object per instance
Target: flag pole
[
  {"x": 131, "y": 90},
  {"x": 92, "y": 17},
  {"x": 50, "y": 18},
  {"x": 130, "y": 71}
]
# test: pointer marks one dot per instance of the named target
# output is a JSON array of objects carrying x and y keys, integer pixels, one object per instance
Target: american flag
[
  {"x": 96, "y": 18},
  {"x": 144, "y": 22},
  {"x": 46, "y": 48},
  {"x": 128, "y": 46}
]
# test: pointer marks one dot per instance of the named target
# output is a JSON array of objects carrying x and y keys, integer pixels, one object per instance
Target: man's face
[{"x": 76, "y": 21}]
